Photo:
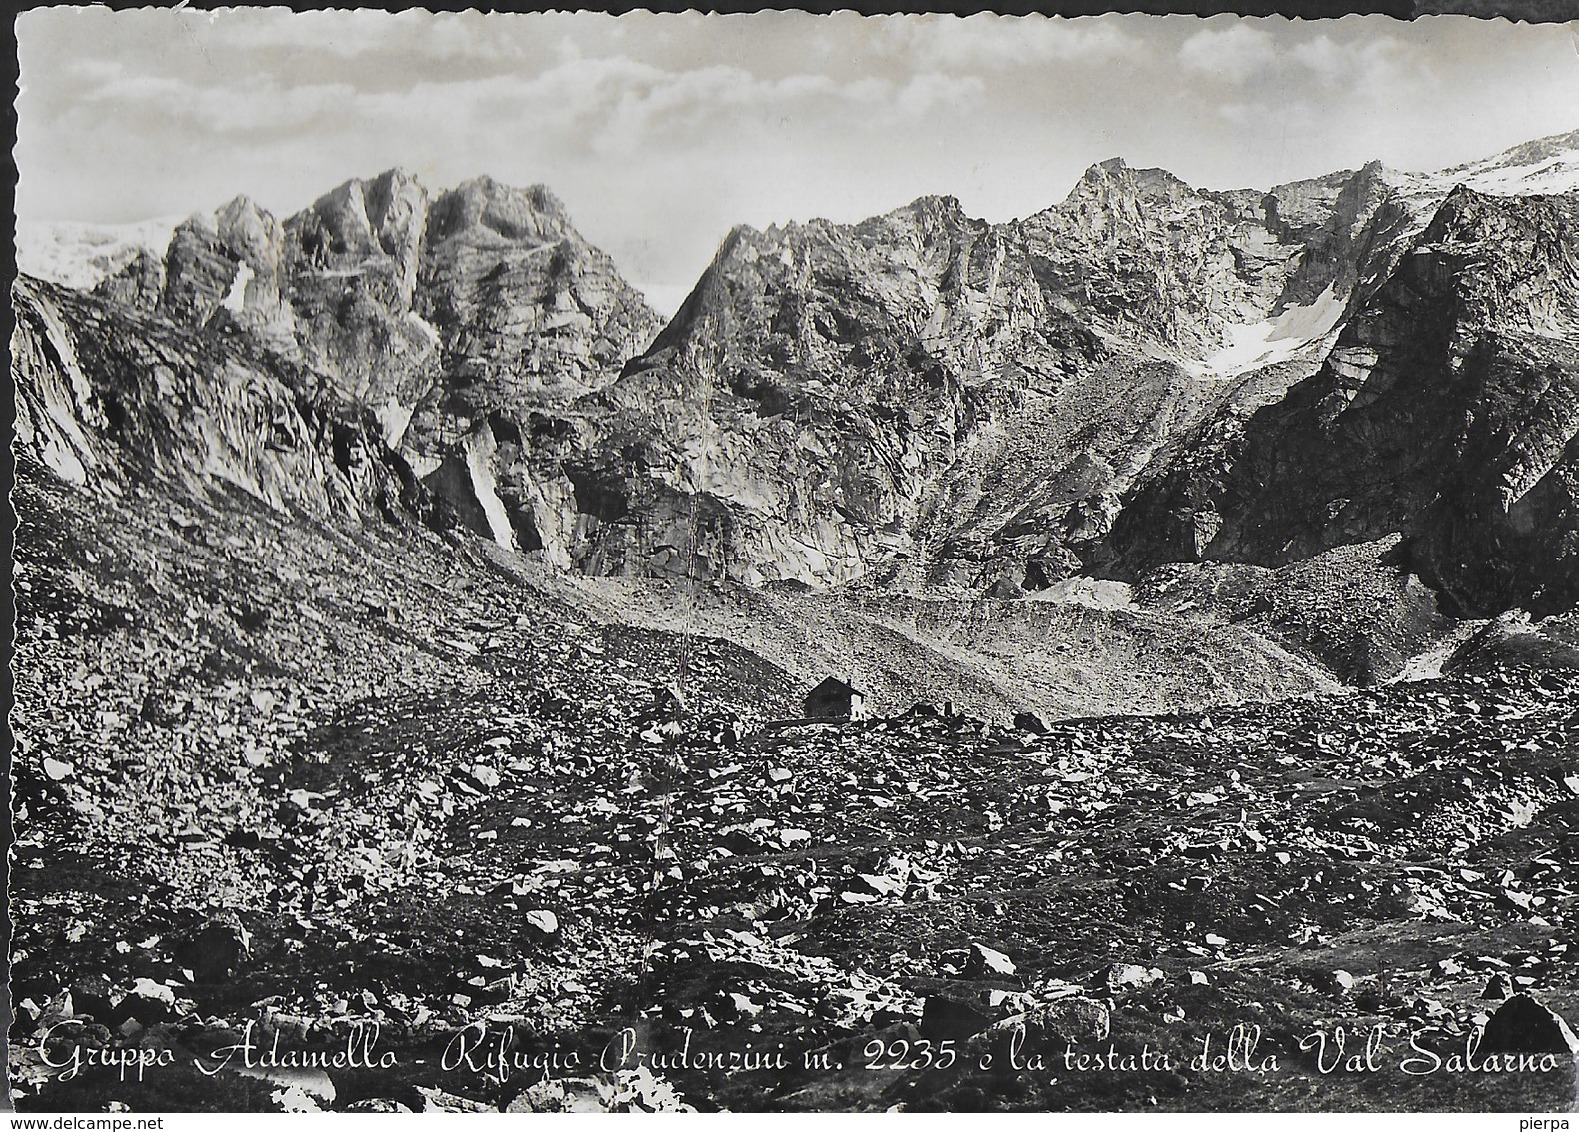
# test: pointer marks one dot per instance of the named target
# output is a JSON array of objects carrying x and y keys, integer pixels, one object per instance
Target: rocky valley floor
[{"x": 324, "y": 791}]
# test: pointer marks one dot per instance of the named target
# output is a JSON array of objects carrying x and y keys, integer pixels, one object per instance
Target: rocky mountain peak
[
  {"x": 354, "y": 258},
  {"x": 392, "y": 295},
  {"x": 381, "y": 220},
  {"x": 396, "y": 205},
  {"x": 1372, "y": 169},
  {"x": 1512, "y": 260},
  {"x": 211, "y": 264},
  {"x": 1116, "y": 180},
  {"x": 246, "y": 228},
  {"x": 928, "y": 222},
  {"x": 1103, "y": 172},
  {"x": 942, "y": 207},
  {"x": 394, "y": 180},
  {"x": 485, "y": 209},
  {"x": 743, "y": 233}
]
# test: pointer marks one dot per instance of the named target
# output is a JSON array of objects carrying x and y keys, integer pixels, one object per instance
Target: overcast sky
[{"x": 662, "y": 131}]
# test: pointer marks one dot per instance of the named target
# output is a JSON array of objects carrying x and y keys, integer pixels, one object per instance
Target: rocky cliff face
[
  {"x": 351, "y": 263},
  {"x": 1447, "y": 410},
  {"x": 807, "y": 404},
  {"x": 107, "y": 398},
  {"x": 925, "y": 398},
  {"x": 1219, "y": 282},
  {"x": 440, "y": 323},
  {"x": 530, "y": 309},
  {"x": 331, "y": 287}
]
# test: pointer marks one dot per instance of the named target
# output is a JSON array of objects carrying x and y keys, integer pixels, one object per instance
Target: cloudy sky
[{"x": 661, "y": 131}]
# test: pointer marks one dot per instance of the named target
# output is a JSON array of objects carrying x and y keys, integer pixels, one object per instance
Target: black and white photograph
[{"x": 790, "y": 562}]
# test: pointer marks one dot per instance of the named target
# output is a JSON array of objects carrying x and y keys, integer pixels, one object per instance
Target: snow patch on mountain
[
  {"x": 1270, "y": 341},
  {"x": 236, "y": 299},
  {"x": 80, "y": 255},
  {"x": 480, "y": 447},
  {"x": 1547, "y": 167},
  {"x": 393, "y": 420},
  {"x": 1543, "y": 167},
  {"x": 1559, "y": 174}
]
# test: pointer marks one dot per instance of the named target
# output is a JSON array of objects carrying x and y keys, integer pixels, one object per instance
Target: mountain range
[
  {"x": 413, "y": 631},
  {"x": 1144, "y": 373}
]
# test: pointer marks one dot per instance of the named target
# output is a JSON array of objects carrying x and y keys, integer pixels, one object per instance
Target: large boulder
[
  {"x": 215, "y": 948},
  {"x": 1524, "y": 1025}
]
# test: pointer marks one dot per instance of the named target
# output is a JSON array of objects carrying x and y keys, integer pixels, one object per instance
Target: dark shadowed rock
[
  {"x": 93, "y": 996},
  {"x": 945, "y": 1016},
  {"x": 1445, "y": 411},
  {"x": 1031, "y": 723},
  {"x": 214, "y": 949},
  {"x": 148, "y": 1001},
  {"x": 1523, "y": 1025},
  {"x": 1497, "y": 987}
]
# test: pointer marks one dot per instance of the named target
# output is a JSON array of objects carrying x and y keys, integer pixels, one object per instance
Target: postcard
[{"x": 807, "y": 563}]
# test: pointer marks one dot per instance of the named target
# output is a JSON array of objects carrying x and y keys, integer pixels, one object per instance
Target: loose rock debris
[{"x": 346, "y": 830}]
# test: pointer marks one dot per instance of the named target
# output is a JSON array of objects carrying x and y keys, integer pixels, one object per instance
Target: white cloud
[
  {"x": 352, "y": 33},
  {"x": 1376, "y": 62},
  {"x": 258, "y": 104},
  {"x": 618, "y": 106},
  {"x": 1318, "y": 67},
  {"x": 985, "y": 41},
  {"x": 929, "y": 93},
  {"x": 1235, "y": 52}
]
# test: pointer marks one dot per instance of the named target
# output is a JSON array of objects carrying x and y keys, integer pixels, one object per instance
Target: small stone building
[{"x": 836, "y": 699}]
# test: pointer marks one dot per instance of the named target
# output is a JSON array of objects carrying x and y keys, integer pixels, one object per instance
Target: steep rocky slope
[
  {"x": 106, "y": 398},
  {"x": 1448, "y": 410},
  {"x": 448, "y": 319},
  {"x": 925, "y": 399}
]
